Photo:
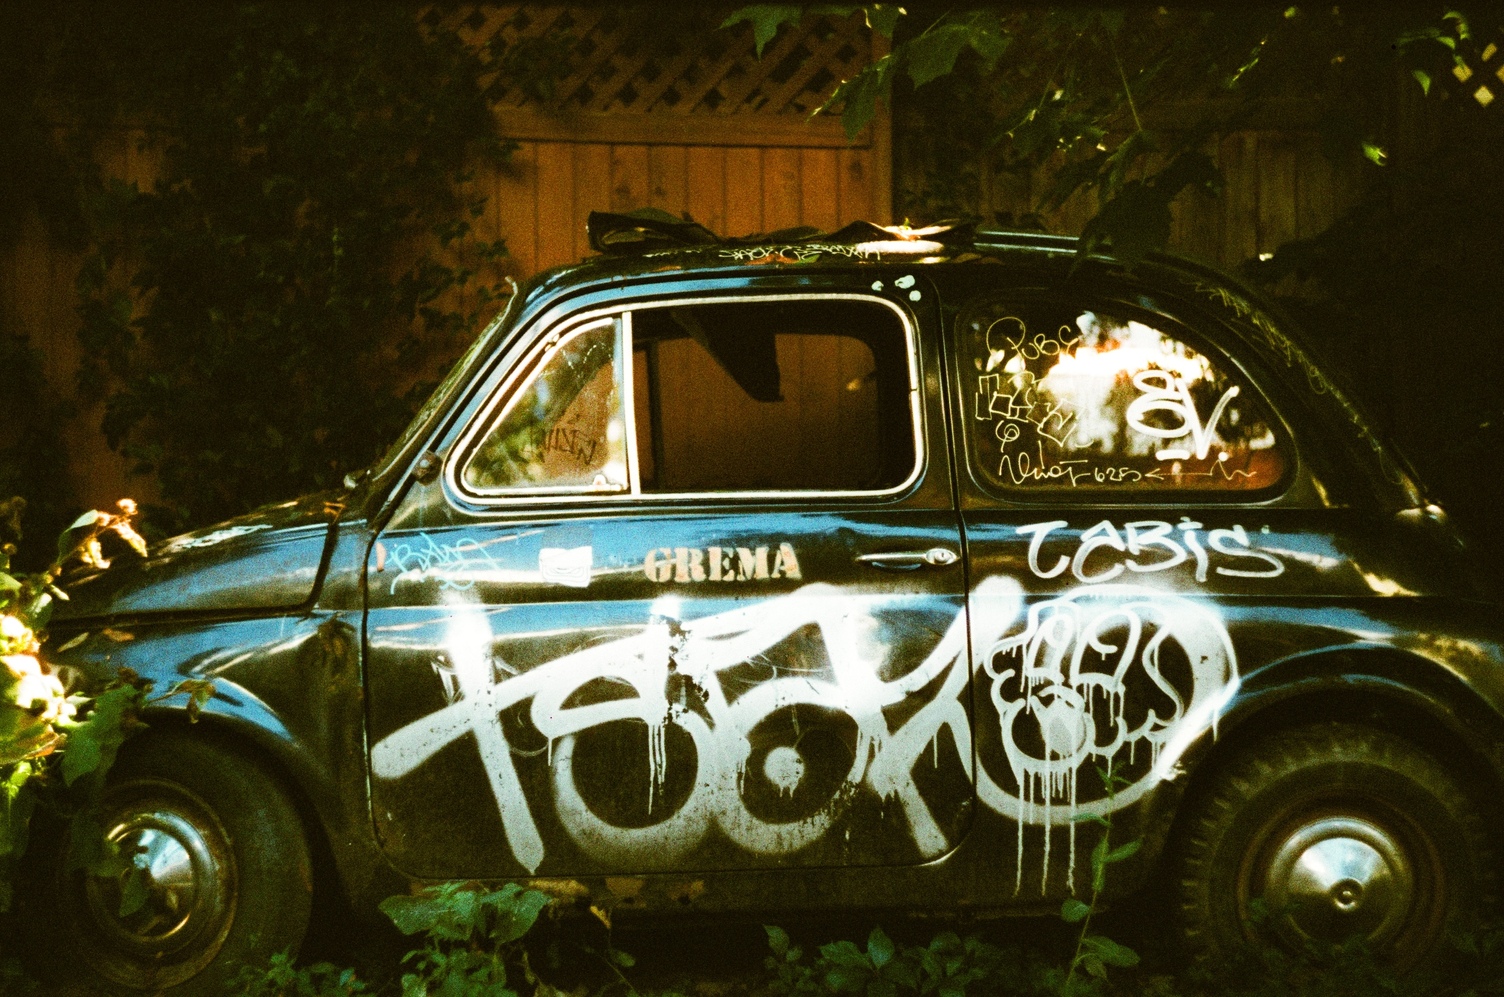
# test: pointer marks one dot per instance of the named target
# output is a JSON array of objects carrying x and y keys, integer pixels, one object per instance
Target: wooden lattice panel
[{"x": 612, "y": 60}]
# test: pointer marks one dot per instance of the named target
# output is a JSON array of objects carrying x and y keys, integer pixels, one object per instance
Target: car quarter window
[
  {"x": 563, "y": 427},
  {"x": 1060, "y": 397}
]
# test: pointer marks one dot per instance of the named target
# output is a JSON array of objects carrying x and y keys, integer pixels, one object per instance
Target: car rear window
[{"x": 1080, "y": 399}]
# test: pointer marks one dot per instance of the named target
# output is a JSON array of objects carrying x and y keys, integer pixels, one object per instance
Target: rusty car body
[{"x": 745, "y": 578}]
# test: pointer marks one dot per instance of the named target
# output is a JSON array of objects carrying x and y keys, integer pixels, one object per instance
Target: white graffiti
[
  {"x": 566, "y": 565},
  {"x": 1163, "y": 391},
  {"x": 1064, "y": 687},
  {"x": 1064, "y": 690},
  {"x": 699, "y": 650},
  {"x": 460, "y": 563},
  {"x": 1103, "y": 552},
  {"x": 804, "y": 252}
]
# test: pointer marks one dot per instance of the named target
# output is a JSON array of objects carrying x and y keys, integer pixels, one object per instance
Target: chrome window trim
[{"x": 460, "y": 453}]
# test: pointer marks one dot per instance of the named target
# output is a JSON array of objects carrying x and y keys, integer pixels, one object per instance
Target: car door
[
  {"x": 1132, "y": 484},
  {"x": 687, "y": 595}
]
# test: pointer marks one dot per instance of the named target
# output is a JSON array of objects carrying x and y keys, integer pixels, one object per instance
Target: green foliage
[
  {"x": 947, "y": 967},
  {"x": 1121, "y": 102},
  {"x": 1404, "y": 292},
  {"x": 268, "y": 313},
  {"x": 284, "y": 978},
  {"x": 767, "y": 18},
  {"x": 473, "y": 939},
  {"x": 48, "y": 731},
  {"x": 472, "y": 946}
]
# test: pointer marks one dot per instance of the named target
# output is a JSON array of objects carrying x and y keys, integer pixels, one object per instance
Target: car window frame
[
  {"x": 1167, "y": 324},
  {"x": 531, "y": 363}
]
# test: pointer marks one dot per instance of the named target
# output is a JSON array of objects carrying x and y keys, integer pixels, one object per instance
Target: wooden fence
[{"x": 694, "y": 124}]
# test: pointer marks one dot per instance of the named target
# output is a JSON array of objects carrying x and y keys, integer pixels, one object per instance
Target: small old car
[{"x": 875, "y": 570}]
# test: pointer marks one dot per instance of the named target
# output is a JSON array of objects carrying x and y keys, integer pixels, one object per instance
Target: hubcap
[
  {"x": 166, "y": 915},
  {"x": 1337, "y": 877}
]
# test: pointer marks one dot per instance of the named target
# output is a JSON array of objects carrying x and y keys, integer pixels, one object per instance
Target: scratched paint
[{"x": 1060, "y": 687}]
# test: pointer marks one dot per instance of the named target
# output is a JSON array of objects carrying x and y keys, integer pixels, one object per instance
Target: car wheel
[
  {"x": 1319, "y": 834},
  {"x": 227, "y": 877}
]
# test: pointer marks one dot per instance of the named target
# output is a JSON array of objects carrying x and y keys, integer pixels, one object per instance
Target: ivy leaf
[
  {"x": 413, "y": 914},
  {"x": 135, "y": 891},
  {"x": 1073, "y": 911},
  {"x": 126, "y": 532},
  {"x": 16, "y": 805},
  {"x": 778, "y": 940},
  {"x": 860, "y": 95},
  {"x": 1374, "y": 153},
  {"x": 883, "y": 18},
  {"x": 1424, "y": 79},
  {"x": 87, "y": 519},
  {"x": 1099, "y": 865},
  {"x": 92, "y": 745},
  {"x": 517, "y": 910},
  {"x": 1464, "y": 31},
  {"x": 879, "y": 948},
  {"x": 845, "y": 954},
  {"x": 766, "y": 19},
  {"x": 934, "y": 53},
  {"x": 199, "y": 693},
  {"x": 848, "y": 979},
  {"x": 1109, "y": 951}
]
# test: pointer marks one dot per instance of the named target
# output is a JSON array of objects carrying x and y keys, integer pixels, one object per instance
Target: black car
[{"x": 865, "y": 571}]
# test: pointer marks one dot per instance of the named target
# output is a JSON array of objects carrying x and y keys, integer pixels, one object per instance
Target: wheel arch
[
  {"x": 1425, "y": 701},
  {"x": 1414, "y": 697},
  {"x": 270, "y": 752}
]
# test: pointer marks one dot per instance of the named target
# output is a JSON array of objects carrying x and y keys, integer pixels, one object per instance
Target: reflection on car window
[
  {"x": 564, "y": 427},
  {"x": 1080, "y": 399},
  {"x": 792, "y": 395}
]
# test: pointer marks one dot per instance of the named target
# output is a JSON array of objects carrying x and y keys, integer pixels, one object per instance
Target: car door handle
[{"x": 908, "y": 560}]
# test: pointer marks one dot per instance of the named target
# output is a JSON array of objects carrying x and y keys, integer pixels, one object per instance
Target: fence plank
[
  {"x": 854, "y": 189},
  {"x": 555, "y": 204},
  {"x": 516, "y": 204},
  {"x": 1275, "y": 175},
  {"x": 706, "y": 178},
  {"x": 668, "y": 180},
  {"x": 782, "y": 203},
  {"x": 592, "y": 191},
  {"x": 820, "y": 174},
  {"x": 744, "y": 182},
  {"x": 629, "y": 177},
  {"x": 1240, "y": 209}
]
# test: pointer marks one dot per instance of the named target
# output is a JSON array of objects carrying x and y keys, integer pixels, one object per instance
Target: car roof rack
[{"x": 650, "y": 229}]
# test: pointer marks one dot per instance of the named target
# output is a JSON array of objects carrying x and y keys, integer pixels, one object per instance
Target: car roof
[{"x": 653, "y": 243}]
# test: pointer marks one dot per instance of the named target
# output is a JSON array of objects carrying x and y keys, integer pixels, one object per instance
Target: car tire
[
  {"x": 233, "y": 882},
  {"x": 1320, "y": 833}
]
